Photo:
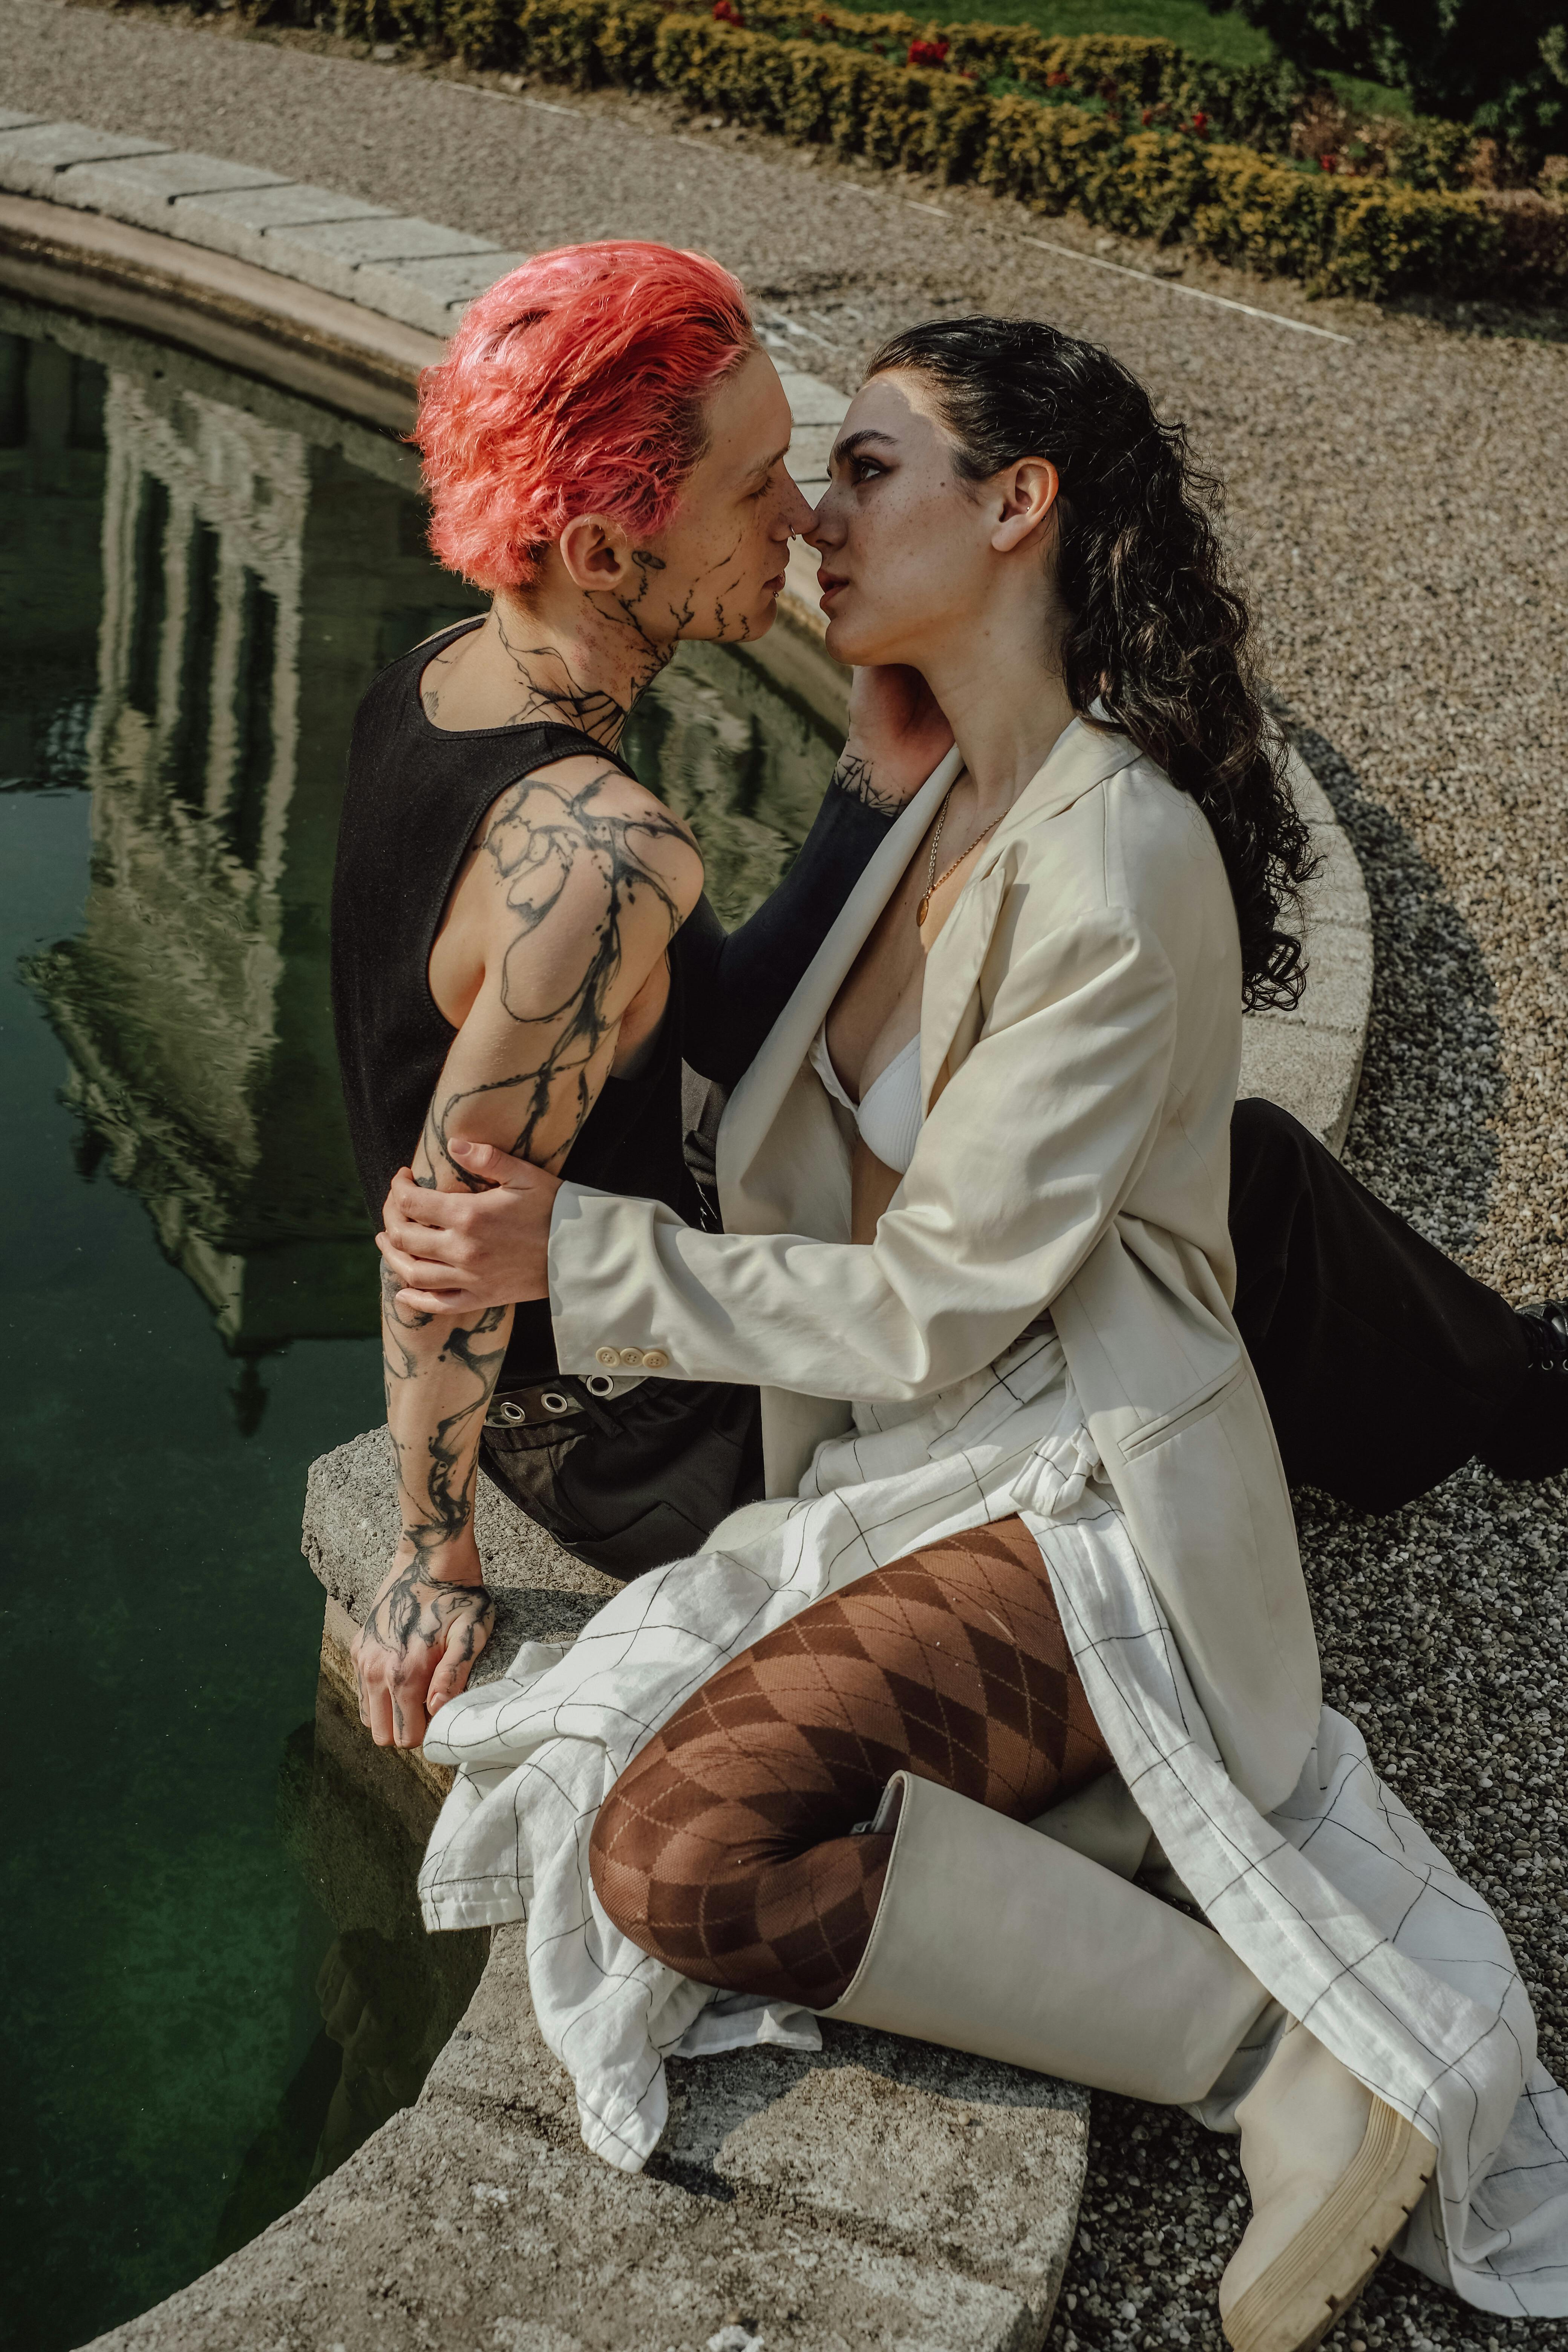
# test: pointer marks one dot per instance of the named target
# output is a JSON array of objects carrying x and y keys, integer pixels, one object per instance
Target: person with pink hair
[{"x": 522, "y": 955}]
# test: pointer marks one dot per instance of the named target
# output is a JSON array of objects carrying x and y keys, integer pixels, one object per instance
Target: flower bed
[{"x": 1133, "y": 135}]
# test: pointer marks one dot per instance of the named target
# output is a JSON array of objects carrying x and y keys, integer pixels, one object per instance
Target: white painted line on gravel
[
  {"x": 1170, "y": 286},
  {"x": 781, "y": 322},
  {"x": 509, "y": 97}
]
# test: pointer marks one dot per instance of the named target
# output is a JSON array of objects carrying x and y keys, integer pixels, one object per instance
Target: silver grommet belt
[{"x": 520, "y": 1408}]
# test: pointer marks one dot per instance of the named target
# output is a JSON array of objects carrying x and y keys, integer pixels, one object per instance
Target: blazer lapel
[
  {"x": 949, "y": 1001},
  {"x": 758, "y": 1099},
  {"x": 1080, "y": 758}
]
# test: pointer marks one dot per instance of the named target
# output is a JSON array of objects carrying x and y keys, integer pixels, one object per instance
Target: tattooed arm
[{"x": 554, "y": 948}]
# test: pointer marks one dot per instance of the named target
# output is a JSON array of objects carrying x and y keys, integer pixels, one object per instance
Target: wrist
[
  {"x": 454, "y": 1561},
  {"x": 871, "y": 782}
]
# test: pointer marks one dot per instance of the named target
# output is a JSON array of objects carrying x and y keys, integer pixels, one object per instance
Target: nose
[
  {"x": 794, "y": 513},
  {"x": 823, "y": 529}
]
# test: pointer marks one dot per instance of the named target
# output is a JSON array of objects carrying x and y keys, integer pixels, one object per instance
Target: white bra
[{"x": 888, "y": 1114}]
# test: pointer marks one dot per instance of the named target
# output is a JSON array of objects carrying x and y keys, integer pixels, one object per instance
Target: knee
[
  {"x": 1272, "y": 1178},
  {"x": 1266, "y": 1142}
]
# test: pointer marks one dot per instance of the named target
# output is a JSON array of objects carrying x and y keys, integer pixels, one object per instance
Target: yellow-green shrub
[{"x": 814, "y": 76}]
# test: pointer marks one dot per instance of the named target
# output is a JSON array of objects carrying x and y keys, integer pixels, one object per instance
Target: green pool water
[{"x": 215, "y": 1984}]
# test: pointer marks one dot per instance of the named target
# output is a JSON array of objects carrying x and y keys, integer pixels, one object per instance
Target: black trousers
[{"x": 1385, "y": 1367}]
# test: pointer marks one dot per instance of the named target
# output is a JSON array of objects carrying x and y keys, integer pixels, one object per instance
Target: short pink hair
[{"x": 576, "y": 386}]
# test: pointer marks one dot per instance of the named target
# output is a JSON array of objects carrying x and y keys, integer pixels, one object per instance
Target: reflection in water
[
  {"x": 388, "y": 1996},
  {"x": 199, "y": 576},
  {"x": 258, "y": 564}
]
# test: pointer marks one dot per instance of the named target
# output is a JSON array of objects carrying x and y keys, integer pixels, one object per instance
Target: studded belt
[{"x": 549, "y": 1400}]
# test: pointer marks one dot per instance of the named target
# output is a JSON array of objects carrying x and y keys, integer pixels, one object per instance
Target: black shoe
[{"x": 1533, "y": 1441}]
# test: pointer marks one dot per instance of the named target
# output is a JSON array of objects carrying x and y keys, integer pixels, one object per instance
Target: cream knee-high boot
[
  {"x": 1334, "y": 2174},
  {"x": 993, "y": 1939}
]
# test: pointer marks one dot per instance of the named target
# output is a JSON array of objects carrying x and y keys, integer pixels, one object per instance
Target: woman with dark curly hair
[{"x": 1039, "y": 1573}]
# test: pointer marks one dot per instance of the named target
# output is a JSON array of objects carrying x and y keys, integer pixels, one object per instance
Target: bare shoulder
[{"x": 581, "y": 826}]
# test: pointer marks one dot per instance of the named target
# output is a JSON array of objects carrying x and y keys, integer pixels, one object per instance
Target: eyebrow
[
  {"x": 853, "y": 441},
  {"x": 761, "y": 471}
]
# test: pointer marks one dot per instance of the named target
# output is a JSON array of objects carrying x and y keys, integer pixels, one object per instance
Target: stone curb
[
  {"x": 885, "y": 2194},
  {"x": 882, "y": 2196}
]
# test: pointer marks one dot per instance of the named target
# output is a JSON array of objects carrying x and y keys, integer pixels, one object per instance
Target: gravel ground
[{"x": 1398, "y": 505}]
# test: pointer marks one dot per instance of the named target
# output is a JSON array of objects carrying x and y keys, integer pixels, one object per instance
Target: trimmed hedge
[
  {"x": 1127, "y": 159},
  {"x": 1121, "y": 72}
]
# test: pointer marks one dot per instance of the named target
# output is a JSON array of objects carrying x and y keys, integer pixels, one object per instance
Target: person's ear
[
  {"x": 1029, "y": 496},
  {"x": 595, "y": 553}
]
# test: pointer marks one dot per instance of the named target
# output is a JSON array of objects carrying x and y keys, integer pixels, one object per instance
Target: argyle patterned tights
[{"x": 727, "y": 1846}]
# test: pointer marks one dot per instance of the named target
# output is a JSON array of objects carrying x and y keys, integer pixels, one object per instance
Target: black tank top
[{"x": 414, "y": 797}]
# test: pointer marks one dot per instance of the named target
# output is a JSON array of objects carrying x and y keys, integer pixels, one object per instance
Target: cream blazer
[{"x": 1080, "y": 1039}]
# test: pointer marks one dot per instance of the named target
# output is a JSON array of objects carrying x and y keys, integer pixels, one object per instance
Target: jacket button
[
  {"x": 631, "y": 1356},
  {"x": 654, "y": 1360},
  {"x": 607, "y": 1354}
]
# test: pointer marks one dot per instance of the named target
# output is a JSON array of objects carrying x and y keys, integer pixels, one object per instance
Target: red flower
[
  {"x": 1058, "y": 80},
  {"x": 927, "y": 53},
  {"x": 1147, "y": 117},
  {"x": 1327, "y": 163},
  {"x": 727, "y": 12},
  {"x": 1200, "y": 124}
]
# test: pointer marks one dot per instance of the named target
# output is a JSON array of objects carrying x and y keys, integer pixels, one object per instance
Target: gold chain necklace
[{"x": 935, "y": 880}]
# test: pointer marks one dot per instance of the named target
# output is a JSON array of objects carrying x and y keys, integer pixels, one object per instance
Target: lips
[{"x": 830, "y": 583}]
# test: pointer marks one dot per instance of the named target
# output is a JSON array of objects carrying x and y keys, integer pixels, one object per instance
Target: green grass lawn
[{"x": 1227, "y": 39}]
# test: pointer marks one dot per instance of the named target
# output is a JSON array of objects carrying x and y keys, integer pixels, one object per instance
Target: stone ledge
[
  {"x": 882, "y": 2196},
  {"x": 449, "y": 2232},
  {"x": 1308, "y": 1061},
  {"x": 351, "y": 359},
  {"x": 339, "y": 244}
]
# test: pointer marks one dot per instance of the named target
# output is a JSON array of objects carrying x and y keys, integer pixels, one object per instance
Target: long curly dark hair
[{"x": 1155, "y": 631}]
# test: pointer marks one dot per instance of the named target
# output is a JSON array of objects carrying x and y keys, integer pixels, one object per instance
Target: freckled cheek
[{"x": 889, "y": 548}]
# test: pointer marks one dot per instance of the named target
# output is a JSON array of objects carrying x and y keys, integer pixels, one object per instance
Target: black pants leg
[{"x": 1384, "y": 1365}]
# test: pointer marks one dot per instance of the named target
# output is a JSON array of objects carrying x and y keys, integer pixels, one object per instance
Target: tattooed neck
[
  {"x": 585, "y": 673},
  {"x": 858, "y": 778},
  {"x": 550, "y": 688}
]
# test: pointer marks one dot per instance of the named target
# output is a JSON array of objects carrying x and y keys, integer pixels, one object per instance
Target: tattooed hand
[
  {"x": 416, "y": 1648},
  {"x": 897, "y": 736}
]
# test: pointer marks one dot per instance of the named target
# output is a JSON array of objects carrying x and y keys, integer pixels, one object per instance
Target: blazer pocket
[{"x": 1209, "y": 1399}]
